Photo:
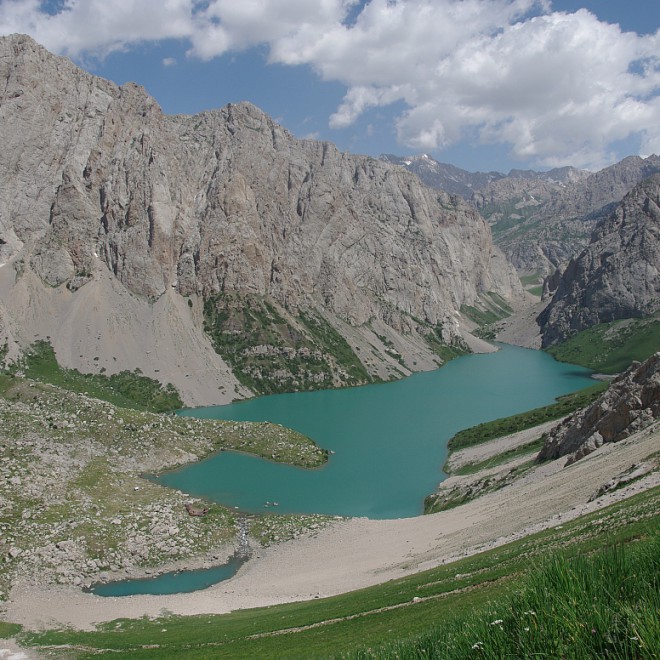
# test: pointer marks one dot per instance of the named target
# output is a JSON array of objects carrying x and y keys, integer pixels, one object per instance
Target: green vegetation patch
[
  {"x": 449, "y": 498},
  {"x": 530, "y": 280},
  {"x": 610, "y": 348},
  {"x": 488, "y": 310},
  {"x": 271, "y": 351},
  {"x": 476, "y": 435},
  {"x": 126, "y": 389},
  {"x": 511, "y": 213},
  {"x": 9, "y": 629},
  {"x": 446, "y": 607},
  {"x": 336, "y": 346},
  {"x": 441, "y": 348},
  {"x": 532, "y": 447}
]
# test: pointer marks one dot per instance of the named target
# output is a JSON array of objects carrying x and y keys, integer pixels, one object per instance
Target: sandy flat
[{"x": 360, "y": 552}]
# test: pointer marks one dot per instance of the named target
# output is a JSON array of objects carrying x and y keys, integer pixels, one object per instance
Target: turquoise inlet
[
  {"x": 389, "y": 441},
  {"x": 170, "y": 583}
]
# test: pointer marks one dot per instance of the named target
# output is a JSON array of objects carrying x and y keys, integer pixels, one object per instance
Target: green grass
[
  {"x": 465, "y": 593},
  {"x": 499, "y": 459},
  {"x": 443, "y": 350},
  {"x": 536, "y": 291},
  {"x": 335, "y": 345},
  {"x": 611, "y": 347},
  {"x": 9, "y": 629},
  {"x": 126, "y": 389},
  {"x": 528, "y": 280},
  {"x": 498, "y": 428},
  {"x": 271, "y": 351},
  {"x": 489, "y": 309},
  {"x": 603, "y": 605}
]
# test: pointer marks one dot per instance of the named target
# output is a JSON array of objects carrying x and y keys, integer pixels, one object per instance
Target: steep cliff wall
[
  {"x": 617, "y": 276},
  {"x": 104, "y": 198}
]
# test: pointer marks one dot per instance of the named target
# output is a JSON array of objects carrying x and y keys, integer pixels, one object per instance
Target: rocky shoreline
[{"x": 74, "y": 508}]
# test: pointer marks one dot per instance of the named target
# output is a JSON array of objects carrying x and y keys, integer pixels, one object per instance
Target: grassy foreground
[
  {"x": 603, "y": 605},
  {"x": 583, "y": 602}
]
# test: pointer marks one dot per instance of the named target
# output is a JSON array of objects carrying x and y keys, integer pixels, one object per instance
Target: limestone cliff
[
  {"x": 122, "y": 226},
  {"x": 617, "y": 276},
  {"x": 631, "y": 403}
]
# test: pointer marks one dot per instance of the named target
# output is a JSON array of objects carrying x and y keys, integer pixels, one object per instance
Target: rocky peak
[
  {"x": 539, "y": 219},
  {"x": 617, "y": 276}
]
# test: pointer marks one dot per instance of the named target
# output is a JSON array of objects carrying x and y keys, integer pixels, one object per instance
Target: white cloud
[
  {"x": 169, "y": 61},
  {"x": 97, "y": 27},
  {"x": 557, "y": 87}
]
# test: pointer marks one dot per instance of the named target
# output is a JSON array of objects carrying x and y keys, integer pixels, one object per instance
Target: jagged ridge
[
  {"x": 119, "y": 213},
  {"x": 617, "y": 276}
]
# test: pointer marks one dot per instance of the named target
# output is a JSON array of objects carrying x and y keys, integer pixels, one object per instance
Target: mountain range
[
  {"x": 218, "y": 252},
  {"x": 539, "y": 219}
]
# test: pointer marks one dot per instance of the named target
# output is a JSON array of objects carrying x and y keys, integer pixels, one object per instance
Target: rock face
[
  {"x": 539, "y": 219},
  {"x": 631, "y": 403},
  {"x": 617, "y": 276},
  {"x": 100, "y": 191}
]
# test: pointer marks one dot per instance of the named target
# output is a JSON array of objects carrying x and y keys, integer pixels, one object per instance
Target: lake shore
[{"x": 359, "y": 552}]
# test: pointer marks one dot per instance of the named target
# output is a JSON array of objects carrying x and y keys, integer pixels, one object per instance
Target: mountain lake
[{"x": 388, "y": 443}]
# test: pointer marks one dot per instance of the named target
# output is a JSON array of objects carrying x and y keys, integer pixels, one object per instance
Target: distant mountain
[
  {"x": 216, "y": 251},
  {"x": 443, "y": 176},
  {"x": 539, "y": 219},
  {"x": 617, "y": 276}
]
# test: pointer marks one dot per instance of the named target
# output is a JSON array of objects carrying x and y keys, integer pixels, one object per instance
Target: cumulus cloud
[
  {"x": 97, "y": 27},
  {"x": 557, "y": 87}
]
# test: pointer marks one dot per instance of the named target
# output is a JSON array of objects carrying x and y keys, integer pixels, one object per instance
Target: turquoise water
[
  {"x": 389, "y": 440},
  {"x": 179, "y": 582}
]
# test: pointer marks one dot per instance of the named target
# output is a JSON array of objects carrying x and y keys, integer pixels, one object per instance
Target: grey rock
[
  {"x": 103, "y": 197},
  {"x": 631, "y": 403},
  {"x": 539, "y": 219},
  {"x": 617, "y": 276}
]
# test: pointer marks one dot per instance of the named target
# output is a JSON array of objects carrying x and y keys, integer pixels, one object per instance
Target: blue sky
[{"x": 483, "y": 84}]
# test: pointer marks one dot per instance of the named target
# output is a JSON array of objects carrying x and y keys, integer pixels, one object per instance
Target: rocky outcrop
[
  {"x": 617, "y": 276},
  {"x": 96, "y": 181},
  {"x": 631, "y": 403}
]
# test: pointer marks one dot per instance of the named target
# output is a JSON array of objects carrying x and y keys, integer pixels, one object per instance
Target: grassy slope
[
  {"x": 465, "y": 593},
  {"x": 529, "y": 448},
  {"x": 126, "y": 389},
  {"x": 487, "y": 431},
  {"x": 611, "y": 347},
  {"x": 271, "y": 351},
  {"x": 602, "y": 605}
]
